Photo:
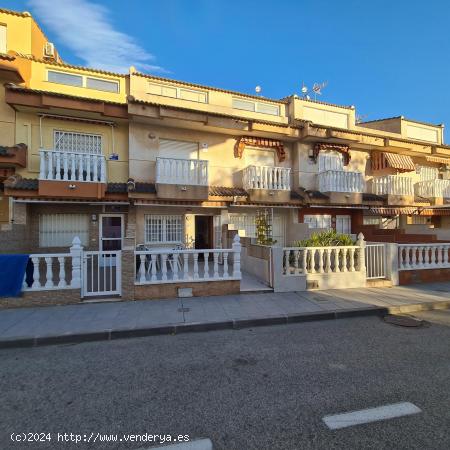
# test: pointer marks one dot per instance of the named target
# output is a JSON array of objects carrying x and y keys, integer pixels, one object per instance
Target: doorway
[
  {"x": 111, "y": 232},
  {"x": 204, "y": 232}
]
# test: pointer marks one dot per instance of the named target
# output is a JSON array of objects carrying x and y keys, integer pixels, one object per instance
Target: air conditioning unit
[{"x": 49, "y": 50}]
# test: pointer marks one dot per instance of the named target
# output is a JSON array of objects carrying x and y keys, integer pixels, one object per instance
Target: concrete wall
[
  {"x": 223, "y": 167},
  {"x": 27, "y": 131}
]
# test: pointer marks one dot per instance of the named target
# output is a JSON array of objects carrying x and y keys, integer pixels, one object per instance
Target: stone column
[{"x": 128, "y": 259}]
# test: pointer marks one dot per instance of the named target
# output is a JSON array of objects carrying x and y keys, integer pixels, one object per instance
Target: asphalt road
[{"x": 261, "y": 388}]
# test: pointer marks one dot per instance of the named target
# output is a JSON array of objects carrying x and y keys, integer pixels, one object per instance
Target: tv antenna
[{"x": 316, "y": 89}]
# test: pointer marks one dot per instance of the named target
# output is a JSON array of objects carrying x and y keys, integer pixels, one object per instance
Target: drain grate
[
  {"x": 184, "y": 309},
  {"x": 404, "y": 321}
]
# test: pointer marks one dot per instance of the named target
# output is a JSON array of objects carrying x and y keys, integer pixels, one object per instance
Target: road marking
[
  {"x": 198, "y": 444},
  {"x": 349, "y": 419}
]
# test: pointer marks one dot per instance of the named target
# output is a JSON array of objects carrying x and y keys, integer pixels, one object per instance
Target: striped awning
[
  {"x": 383, "y": 211},
  {"x": 383, "y": 160},
  {"x": 438, "y": 159},
  {"x": 435, "y": 212}
]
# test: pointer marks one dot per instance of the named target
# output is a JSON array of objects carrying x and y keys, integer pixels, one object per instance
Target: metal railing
[{"x": 375, "y": 261}]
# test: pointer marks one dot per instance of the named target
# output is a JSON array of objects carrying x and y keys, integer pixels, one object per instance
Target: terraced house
[{"x": 137, "y": 186}]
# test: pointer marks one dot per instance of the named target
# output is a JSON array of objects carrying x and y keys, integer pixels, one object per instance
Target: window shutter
[{"x": 178, "y": 149}]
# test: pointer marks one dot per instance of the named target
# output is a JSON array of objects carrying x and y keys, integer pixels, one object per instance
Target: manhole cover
[
  {"x": 184, "y": 309},
  {"x": 404, "y": 321}
]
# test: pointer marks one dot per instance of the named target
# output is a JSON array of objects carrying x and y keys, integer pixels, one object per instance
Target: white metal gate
[
  {"x": 102, "y": 273},
  {"x": 375, "y": 261}
]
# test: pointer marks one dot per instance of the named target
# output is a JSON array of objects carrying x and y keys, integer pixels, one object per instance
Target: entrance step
[
  {"x": 378, "y": 283},
  {"x": 101, "y": 299}
]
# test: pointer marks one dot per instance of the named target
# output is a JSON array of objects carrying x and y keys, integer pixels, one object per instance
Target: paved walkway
[{"x": 55, "y": 324}]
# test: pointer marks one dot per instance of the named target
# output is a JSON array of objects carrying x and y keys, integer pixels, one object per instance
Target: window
[
  {"x": 78, "y": 80},
  {"x": 330, "y": 161},
  {"x": 372, "y": 220},
  {"x": 169, "y": 148},
  {"x": 102, "y": 85},
  {"x": 65, "y": 78},
  {"x": 3, "y": 43},
  {"x": 193, "y": 95},
  {"x": 247, "y": 223},
  {"x": 58, "y": 230},
  {"x": 70, "y": 141},
  {"x": 259, "y": 157},
  {"x": 418, "y": 220},
  {"x": 318, "y": 220},
  {"x": 162, "y": 229},
  {"x": 260, "y": 107},
  {"x": 245, "y": 105}
]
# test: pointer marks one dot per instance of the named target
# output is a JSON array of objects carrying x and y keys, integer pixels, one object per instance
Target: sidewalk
[{"x": 104, "y": 321}]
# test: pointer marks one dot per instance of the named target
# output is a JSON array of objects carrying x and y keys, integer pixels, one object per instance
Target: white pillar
[
  {"x": 236, "y": 257},
  {"x": 362, "y": 252},
  {"x": 76, "y": 253}
]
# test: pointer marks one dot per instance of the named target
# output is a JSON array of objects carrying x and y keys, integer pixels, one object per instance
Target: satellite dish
[
  {"x": 258, "y": 89},
  {"x": 304, "y": 89}
]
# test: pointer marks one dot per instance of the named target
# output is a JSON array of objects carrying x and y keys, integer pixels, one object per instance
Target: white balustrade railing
[
  {"x": 54, "y": 270},
  {"x": 267, "y": 177},
  {"x": 393, "y": 185},
  {"x": 182, "y": 171},
  {"x": 423, "y": 256},
  {"x": 72, "y": 166},
  {"x": 313, "y": 260},
  {"x": 340, "y": 181},
  {"x": 433, "y": 188},
  {"x": 188, "y": 265}
]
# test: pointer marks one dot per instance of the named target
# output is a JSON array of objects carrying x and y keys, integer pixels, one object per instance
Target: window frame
[
  {"x": 165, "y": 231},
  {"x": 178, "y": 91},
  {"x": 84, "y": 78},
  {"x": 317, "y": 218},
  {"x": 256, "y": 104},
  {"x": 48, "y": 237}
]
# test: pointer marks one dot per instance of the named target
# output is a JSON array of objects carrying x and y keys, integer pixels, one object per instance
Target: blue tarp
[{"x": 12, "y": 272}]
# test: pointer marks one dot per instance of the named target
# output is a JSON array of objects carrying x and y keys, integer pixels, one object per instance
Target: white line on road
[{"x": 370, "y": 415}]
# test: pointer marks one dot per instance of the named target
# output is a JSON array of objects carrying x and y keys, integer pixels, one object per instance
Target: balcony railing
[
  {"x": 72, "y": 166},
  {"x": 433, "y": 188},
  {"x": 392, "y": 185},
  {"x": 182, "y": 171},
  {"x": 267, "y": 177},
  {"x": 340, "y": 181}
]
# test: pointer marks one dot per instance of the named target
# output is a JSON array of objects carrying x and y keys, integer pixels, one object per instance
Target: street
[{"x": 260, "y": 388}]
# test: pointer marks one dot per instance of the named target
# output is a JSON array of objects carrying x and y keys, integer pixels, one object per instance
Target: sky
[{"x": 386, "y": 57}]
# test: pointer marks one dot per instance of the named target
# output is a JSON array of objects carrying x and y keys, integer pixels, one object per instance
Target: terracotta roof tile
[{"x": 221, "y": 191}]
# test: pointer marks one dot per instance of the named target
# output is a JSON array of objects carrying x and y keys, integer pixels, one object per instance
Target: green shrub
[{"x": 325, "y": 239}]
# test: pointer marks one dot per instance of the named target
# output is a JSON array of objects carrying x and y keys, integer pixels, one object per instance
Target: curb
[{"x": 109, "y": 335}]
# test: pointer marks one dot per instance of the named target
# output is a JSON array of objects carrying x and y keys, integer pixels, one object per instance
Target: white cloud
[{"x": 86, "y": 29}]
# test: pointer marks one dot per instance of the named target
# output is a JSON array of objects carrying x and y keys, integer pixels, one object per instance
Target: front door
[
  {"x": 111, "y": 232},
  {"x": 343, "y": 224},
  {"x": 204, "y": 232}
]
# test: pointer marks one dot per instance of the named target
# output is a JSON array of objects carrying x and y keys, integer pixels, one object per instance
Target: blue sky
[{"x": 385, "y": 57}]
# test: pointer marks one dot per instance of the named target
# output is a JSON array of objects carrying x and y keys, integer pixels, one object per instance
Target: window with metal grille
[
  {"x": 69, "y": 141},
  {"x": 58, "y": 230},
  {"x": 163, "y": 229},
  {"x": 318, "y": 220}
]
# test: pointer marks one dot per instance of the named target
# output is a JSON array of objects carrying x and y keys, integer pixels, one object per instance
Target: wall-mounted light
[
  {"x": 204, "y": 147},
  {"x": 72, "y": 186},
  {"x": 151, "y": 136},
  {"x": 183, "y": 188}
]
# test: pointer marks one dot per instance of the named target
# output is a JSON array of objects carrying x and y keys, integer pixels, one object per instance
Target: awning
[
  {"x": 435, "y": 212},
  {"x": 259, "y": 142},
  {"x": 438, "y": 159},
  {"x": 382, "y": 211},
  {"x": 383, "y": 160}
]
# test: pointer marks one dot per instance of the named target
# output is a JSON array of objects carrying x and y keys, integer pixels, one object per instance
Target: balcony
[
  {"x": 267, "y": 183},
  {"x": 433, "y": 189},
  {"x": 182, "y": 178},
  {"x": 341, "y": 181},
  {"x": 398, "y": 190},
  {"x": 72, "y": 174}
]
